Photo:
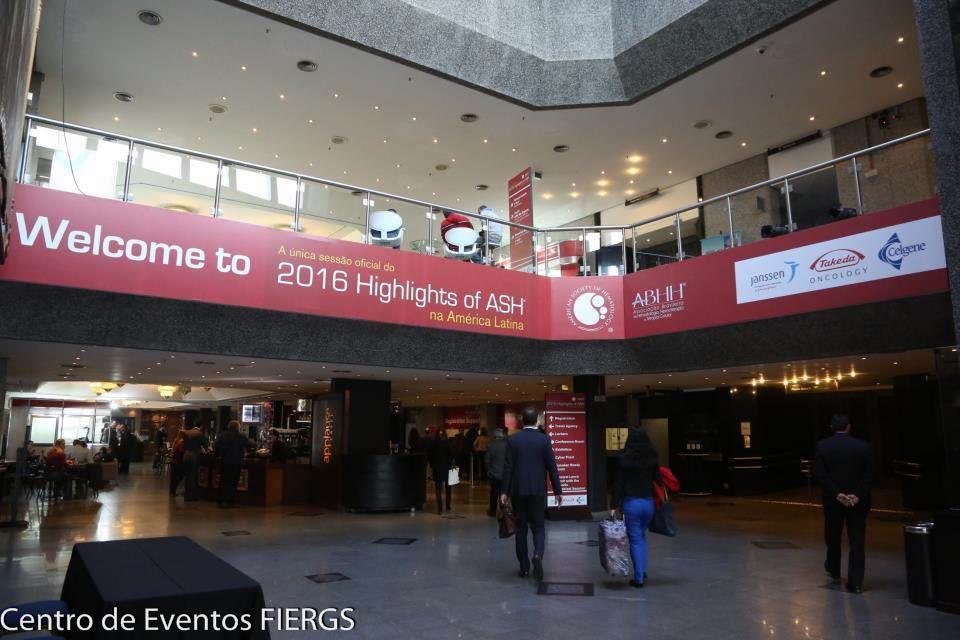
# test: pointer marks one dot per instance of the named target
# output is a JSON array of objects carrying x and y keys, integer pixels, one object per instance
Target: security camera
[{"x": 762, "y": 49}]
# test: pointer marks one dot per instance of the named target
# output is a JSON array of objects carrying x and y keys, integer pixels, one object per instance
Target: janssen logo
[
  {"x": 775, "y": 277},
  {"x": 893, "y": 251},
  {"x": 837, "y": 259}
]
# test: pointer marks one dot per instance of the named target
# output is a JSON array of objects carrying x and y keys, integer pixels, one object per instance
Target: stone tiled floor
[{"x": 458, "y": 580}]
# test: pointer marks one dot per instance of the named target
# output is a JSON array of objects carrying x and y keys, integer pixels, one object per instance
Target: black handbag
[
  {"x": 506, "y": 520},
  {"x": 664, "y": 519}
]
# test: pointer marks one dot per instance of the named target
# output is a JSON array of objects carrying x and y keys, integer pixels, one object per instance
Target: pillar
[
  {"x": 939, "y": 61},
  {"x": 595, "y": 389},
  {"x": 367, "y": 408}
]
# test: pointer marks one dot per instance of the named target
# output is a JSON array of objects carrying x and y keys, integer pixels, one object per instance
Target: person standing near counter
[
  {"x": 440, "y": 457},
  {"x": 494, "y": 458},
  {"x": 194, "y": 441},
  {"x": 229, "y": 450},
  {"x": 176, "y": 463}
]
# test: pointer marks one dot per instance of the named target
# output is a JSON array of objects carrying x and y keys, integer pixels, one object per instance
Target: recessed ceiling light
[
  {"x": 194, "y": 54},
  {"x": 630, "y": 192},
  {"x": 547, "y": 196},
  {"x": 243, "y": 67},
  {"x": 398, "y": 165},
  {"x": 336, "y": 95},
  {"x": 574, "y": 194},
  {"x": 276, "y": 155},
  {"x": 254, "y": 129},
  {"x": 664, "y": 141},
  {"x": 602, "y": 172},
  {"x": 601, "y": 193},
  {"x": 159, "y": 128},
  {"x": 435, "y": 141},
  {"x": 602, "y": 183},
  {"x": 743, "y": 144},
  {"x": 376, "y": 107},
  {"x": 453, "y": 159},
  {"x": 310, "y": 164},
  {"x": 670, "y": 171},
  {"x": 812, "y": 118},
  {"x": 240, "y": 148},
  {"x": 633, "y": 171},
  {"x": 123, "y": 96},
  {"x": 310, "y": 121},
  {"x": 514, "y": 149},
  {"x": 282, "y": 96},
  {"x": 308, "y": 66},
  {"x": 631, "y": 182},
  {"x": 116, "y": 118},
  {"x": 899, "y": 85},
  {"x": 485, "y": 141},
  {"x": 413, "y": 118},
  {"x": 722, "y": 135},
  {"x": 634, "y": 157},
  {"x": 152, "y": 18},
  {"x": 900, "y": 40}
]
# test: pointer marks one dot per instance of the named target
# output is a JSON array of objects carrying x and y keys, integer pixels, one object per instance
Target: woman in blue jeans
[{"x": 633, "y": 495}]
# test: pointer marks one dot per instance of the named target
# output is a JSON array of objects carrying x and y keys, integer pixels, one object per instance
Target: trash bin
[{"x": 918, "y": 543}]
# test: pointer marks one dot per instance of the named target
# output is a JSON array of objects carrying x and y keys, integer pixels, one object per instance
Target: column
[
  {"x": 367, "y": 408},
  {"x": 595, "y": 389}
]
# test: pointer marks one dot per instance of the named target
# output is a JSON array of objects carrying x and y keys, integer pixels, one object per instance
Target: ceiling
[
  {"x": 65, "y": 371},
  {"x": 392, "y": 115}
]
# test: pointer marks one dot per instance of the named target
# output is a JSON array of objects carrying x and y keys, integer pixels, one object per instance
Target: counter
[
  {"x": 261, "y": 481},
  {"x": 384, "y": 482}
]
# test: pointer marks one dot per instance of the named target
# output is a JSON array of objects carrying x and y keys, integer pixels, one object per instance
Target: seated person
[
  {"x": 386, "y": 228},
  {"x": 82, "y": 453},
  {"x": 278, "y": 450},
  {"x": 106, "y": 454},
  {"x": 56, "y": 457}
]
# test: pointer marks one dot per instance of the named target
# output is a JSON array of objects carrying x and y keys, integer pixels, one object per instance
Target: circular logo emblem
[{"x": 590, "y": 308}]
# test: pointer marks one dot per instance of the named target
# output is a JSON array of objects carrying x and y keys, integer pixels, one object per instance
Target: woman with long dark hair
[{"x": 633, "y": 495}]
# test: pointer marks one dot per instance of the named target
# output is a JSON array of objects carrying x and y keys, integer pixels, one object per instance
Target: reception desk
[
  {"x": 261, "y": 481},
  {"x": 384, "y": 482}
]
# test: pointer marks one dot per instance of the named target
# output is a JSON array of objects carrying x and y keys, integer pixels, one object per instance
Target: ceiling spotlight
[
  {"x": 900, "y": 40},
  {"x": 310, "y": 121},
  {"x": 812, "y": 118},
  {"x": 602, "y": 183},
  {"x": 634, "y": 158},
  {"x": 152, "y": 18},
  {"x": 664, "y": 141},
  {"x": 899, "y": 85},
  {"x": 547, "y": 196},
  {"x": 574, "y": 194},
  {"x": 670, "y": 171},
  {"x": 194, "y": 54},
  {"x": 123, "y": 96},
  {"x": 633, "y": 171},
  {"x": 413, "y": 118},
  {"x": 823, "y": 72},
  {"x": 743, "y": 144},
  {"x": 308, "y": 66},
  {"x": 116, "y": 118},
  {"x": 485, "y": 141},
  {"x": 376, "y": 107},
  {"x": 254, "y": 129},
  {"x": 601, "y": 193},
  {"x": 283, "y": 97},
  {"x": 336, "y": 95},
  {"x": 243, "y": 67}
]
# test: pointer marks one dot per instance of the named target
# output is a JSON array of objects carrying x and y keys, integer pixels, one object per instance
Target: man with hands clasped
[{"x": 844, "y": 469}]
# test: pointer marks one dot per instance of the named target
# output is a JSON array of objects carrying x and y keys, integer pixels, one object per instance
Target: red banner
[
  {"x": 80, "y": 241},
  {"x": 520, "y": 206},
  {"x": 566, "y": 424},
  {"x": 69, "y": 240}
]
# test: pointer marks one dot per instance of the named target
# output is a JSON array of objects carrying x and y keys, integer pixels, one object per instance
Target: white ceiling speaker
[
  {"x": 308, "y": 66},
  {"x": 149, "y": 17},
  {"x": 123, "y": 96}
]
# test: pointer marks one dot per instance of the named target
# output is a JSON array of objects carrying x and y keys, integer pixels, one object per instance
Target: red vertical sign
[
  {"x": 566, "y": 422},
  {"x": 520, "y": 206}
]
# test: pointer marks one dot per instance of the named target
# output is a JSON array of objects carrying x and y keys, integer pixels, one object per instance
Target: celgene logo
[
  {"x": 893, "y": 251},
  {"x": 590, "y": 308},
  {"x": 771, "y": 279},
  {"x": 837, "y": 259}
]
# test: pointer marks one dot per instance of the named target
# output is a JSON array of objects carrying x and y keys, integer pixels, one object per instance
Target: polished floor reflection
[{"x": 458, "y": 580}]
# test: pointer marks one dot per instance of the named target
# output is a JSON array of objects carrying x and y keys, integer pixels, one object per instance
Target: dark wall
[
  {"x": 76, "y": 316},
  {"x": 369, "y": 418}
]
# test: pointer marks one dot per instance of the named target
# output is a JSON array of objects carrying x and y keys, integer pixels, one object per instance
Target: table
[{"x": 174, "y": 575}]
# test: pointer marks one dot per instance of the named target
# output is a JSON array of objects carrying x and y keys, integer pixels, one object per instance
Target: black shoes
[
  {"x": 523, "y": 573},
  {"x": 538, "y": 569},
  {"x": 854, "y": 589},
  {"x": 636, "y": 583}
]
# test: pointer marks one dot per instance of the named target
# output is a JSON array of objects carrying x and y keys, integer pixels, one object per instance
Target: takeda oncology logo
[
  {"x": 893, "y": 251},
  {"x": 837, "y": 259},
  {"x": 591, "y": 308}
]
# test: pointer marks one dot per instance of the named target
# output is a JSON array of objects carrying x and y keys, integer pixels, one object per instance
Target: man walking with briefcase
[{"x": 529, "y": 459}]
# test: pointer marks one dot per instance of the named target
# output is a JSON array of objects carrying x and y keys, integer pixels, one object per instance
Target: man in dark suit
[
  {"x": 529, "y": 459},
  {"x": 844, "y": 469}
]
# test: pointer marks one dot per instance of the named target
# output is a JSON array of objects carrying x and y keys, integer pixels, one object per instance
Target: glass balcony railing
[{"x": 98, "y": 163}]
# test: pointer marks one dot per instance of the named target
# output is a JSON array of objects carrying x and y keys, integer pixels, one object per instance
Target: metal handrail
[
  {"x": 259, "y": 167},
  {"x": 630, "y": 229}
]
